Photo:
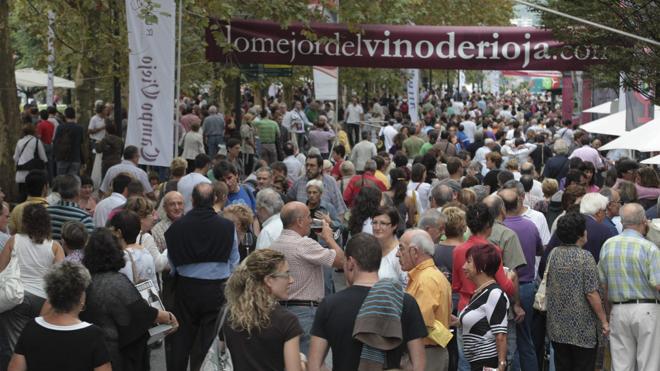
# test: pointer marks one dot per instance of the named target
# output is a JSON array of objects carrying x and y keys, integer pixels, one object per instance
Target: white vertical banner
[
  {"x": 325, "y": 82},
  {"x": 413, "y": 95},
  {"x": 492, "y": 82},
  {"x": 461, "y": 79},
  {"x": 151, "y": 79}
]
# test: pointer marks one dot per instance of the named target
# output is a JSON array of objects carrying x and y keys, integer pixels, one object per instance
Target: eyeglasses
[{"x": 281, "y": 275}]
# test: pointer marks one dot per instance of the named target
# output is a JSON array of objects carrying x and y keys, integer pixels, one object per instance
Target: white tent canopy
[
  {"x": 652, "y": 161},
  {"x": 614, "y": 124},
  {"x": 645, "y": 138},
  {"x": 29, "y": 78},
  {"x": 603, "y": 109}
]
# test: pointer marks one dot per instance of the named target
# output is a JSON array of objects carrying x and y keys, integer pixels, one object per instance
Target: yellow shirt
[
  {"x": 16, "y": 216},
  {"x": 433, "y": 294},
  {"x": 383, "y": 178}
]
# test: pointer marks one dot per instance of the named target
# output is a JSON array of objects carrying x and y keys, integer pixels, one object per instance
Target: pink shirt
[{"x": 588, "y": 153}]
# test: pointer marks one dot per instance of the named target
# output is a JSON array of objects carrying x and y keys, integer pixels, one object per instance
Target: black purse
[{"x": 35, "y": 163}]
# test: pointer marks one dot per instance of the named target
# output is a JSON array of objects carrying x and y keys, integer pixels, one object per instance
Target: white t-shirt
[
  {"x": 353, "y": 113},
  {"x": 469, "y": 128},
  {"x": 185, "y": 187},
  {"x": 391, "y": 268},
  {"x": 97, "y": 122},
  {"x": 388, "y": 132},
  {"x": 423, "y": 192}
]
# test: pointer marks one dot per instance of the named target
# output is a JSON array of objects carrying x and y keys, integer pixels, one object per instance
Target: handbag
[
  {"x": 181, "y": 145},
  {"x": 218, "y": 357},
  {"x": 540, "y": 300},
  {"x": 11, "y": 286},
  {"x": 35, "y": 163}
]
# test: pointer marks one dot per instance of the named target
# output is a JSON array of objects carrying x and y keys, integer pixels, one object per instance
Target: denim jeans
[
  {"x": 68, "y": 168},
  {"x": 212, "y": 143},
  {"x": 305, "y": 316},
  {"x": 526, "y": 352}
]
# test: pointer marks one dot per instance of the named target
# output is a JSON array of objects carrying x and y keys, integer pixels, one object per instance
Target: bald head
[
  {"x": 510, "y": 199},
  {"x": 420, "y": 239},
  {"x": 291, "y": 212},
  {"x": 173, "y": 205},
  {"x": 633, "y": 216},
  {"x": 202, "y": 196},
  {"x": 495, "y": 206}
]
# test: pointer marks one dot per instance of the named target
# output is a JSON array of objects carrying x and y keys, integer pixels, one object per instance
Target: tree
[
  {"x": 638, "y": 60},
  {"x": 9, "y": 116}
]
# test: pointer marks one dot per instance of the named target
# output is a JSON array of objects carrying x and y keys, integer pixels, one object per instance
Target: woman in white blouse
[
  {"x": 193, "y": 144},
  {"x": 384, "y": 226},
  {"x": 27, "y": 149}
]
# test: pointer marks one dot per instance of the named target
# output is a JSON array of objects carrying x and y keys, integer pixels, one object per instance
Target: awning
[
  {"x": 645, "y": 138},
  {"x": 604, "y": 109},
  {"x": 30, "y": 78},
  {"x": 652, "y": 161},
  {"x": 614, "y": 124}
]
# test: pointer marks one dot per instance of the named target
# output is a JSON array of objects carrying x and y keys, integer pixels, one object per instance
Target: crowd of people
[{"x": 489, "y": 234}]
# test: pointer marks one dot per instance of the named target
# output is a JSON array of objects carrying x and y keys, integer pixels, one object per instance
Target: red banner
[{"x": 389, "y": 46}]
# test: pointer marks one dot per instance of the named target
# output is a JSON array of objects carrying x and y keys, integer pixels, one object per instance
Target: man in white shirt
[
  {"x": 128, "y": 166},
  {"x": 294, "y": 167},
  {"x": 116, "y": 199},
  {"x": 363, "y": 151},
  {"x": 469, "y": 127},
  {"x": 388, "y": 132},
  {"x": 480, "y": 154},
  {"x": 186, "y": 184},
  {"x": 353, "y": 115},
  {"x": 96, "y": 126},
  {"x": 269, "y": 205}
]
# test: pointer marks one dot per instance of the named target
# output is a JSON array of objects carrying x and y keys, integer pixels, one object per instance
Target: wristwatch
[{"x": 503, "y": 363}]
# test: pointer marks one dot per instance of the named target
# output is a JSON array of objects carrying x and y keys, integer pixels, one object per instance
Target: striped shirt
[
  {"x": 68, "y": 211},
  {"x": 268, "y": 130},
  {"x": 630, "y": 267},
  {"x": 481, "y": 320}
]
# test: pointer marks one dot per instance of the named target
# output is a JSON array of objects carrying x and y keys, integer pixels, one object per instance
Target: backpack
[{"x": 62, "y": 144}]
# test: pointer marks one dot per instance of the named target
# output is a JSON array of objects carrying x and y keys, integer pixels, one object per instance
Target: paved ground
[{"x": 158, "y": 355}]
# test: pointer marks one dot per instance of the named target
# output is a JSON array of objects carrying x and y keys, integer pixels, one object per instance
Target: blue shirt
[
  {"x": 210, "y": 270},
  {"x": 242, "y": 197}
]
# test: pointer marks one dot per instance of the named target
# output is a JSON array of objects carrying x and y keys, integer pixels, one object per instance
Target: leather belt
[
  {"x": 638, "y": 301},
  {"x": 300, "y": 303}
]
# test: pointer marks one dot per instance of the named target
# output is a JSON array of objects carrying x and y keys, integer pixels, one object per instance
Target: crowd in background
[{"x": 491, "y": 232}]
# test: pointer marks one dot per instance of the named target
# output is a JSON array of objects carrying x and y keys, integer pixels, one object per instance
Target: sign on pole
[
  {"x": 413, "y": 95},
  {"x": 151, "y": 79},
  {"x": 325, "y": 82}
]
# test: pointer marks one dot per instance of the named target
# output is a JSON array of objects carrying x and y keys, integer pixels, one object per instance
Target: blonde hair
[
  {"x": 242, "y": 213},
  {"x": 140, "y": 206},
  {"x": 249, "y": 300},
  {"x": 549, "y": 187},
  {"x": 178, "y": 166},
  {"x": 456, "y": 223}
]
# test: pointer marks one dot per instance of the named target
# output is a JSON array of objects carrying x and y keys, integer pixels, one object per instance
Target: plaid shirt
[{"x": 630, "y": 267}]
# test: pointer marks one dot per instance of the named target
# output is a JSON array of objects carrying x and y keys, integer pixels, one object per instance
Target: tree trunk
[{"x": 9, "y": 115}]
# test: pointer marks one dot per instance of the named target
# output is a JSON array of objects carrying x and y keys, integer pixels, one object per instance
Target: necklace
[{"x": 482, "y": 287}]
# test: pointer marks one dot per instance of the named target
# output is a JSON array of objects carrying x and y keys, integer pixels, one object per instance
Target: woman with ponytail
[{"x": 260, "y": 334}]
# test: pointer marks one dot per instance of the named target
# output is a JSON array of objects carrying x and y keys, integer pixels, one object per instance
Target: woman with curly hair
[
  {"x": 256, "y": 324},
  {"x": 46, "y": 342},
  {"x": 36, "y": 253},
  {"x": 115, "y": 305},
  {"x": 364, "y": 209}
]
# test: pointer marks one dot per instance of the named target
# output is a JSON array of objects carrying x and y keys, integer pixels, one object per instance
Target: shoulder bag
[
  {"x": 11, "y": 286},
  {"x": 35, "y": 162},
  {"x": 218, "y": 357},
  {"x": 540, "y": 300}
]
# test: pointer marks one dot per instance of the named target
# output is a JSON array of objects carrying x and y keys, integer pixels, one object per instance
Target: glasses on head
[{"x": 281, "y": 275}]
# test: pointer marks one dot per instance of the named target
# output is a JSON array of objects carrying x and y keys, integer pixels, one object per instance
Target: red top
[
  {"x": 335, "y": 170},
  {"x": 357, "y": 182},
  {"x": 45, "y": 130},
  {"x": 463, "y": 285}
]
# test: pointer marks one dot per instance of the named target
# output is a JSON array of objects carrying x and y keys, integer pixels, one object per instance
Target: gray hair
[
  {"x": 560, "y": 147},
  {"x": 515, "y": 185},
  {"x": 269, "y": 200},
  {"x": 213, "y": 110},
  {"x": 423, "y": 241},
  {"x": 313, "y": 151},
  {"x": 370, "y": 165},
  {"x": 442, "y": 194},
  {"x": 347, "y": 168},
  {"x": 475, "y": 165},
  {"x": 64, "y": 284},
  {"x": 592, "y": 203},
  {"x": 69, "y": 187},
  {"x": 315, "y": 183},
  {"x": 632, "y": 214},
  {"x": 431, "y": 218}
]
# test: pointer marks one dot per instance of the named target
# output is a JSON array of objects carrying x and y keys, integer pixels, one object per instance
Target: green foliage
[{"x": 638, "y": 60}]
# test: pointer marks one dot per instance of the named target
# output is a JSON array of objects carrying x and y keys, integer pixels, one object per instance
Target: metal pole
[
  {"x": 177, "y": 84},
  {"x": 51, "y": 57},
  {"x": 115, "y": 68},
  {"x": 590, "y": 23}
]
